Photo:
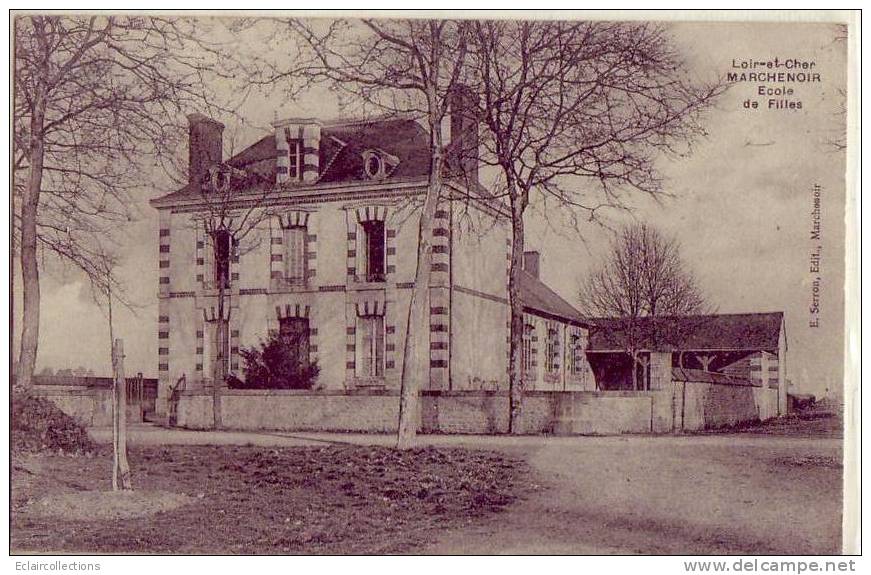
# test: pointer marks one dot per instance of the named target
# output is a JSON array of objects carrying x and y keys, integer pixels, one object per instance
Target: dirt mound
[
  {"x": 103, "y": 505},
  {"x": 38, "y": 425},
  {"x": 828, "y": 405},
  {"x": 425, "y": 480}
]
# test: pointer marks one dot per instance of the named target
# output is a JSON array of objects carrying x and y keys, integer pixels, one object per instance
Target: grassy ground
[
  {"x": 252, "y": 500},
  {"x": 808, "y": 423}
]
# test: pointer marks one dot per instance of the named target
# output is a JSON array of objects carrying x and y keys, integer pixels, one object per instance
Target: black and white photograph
[{"x": 434, "y": 283}]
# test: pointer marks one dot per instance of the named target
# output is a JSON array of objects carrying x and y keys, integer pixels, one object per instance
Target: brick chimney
[
  {"x": 531, "y": 261},
  {"x": 205, "y": 145},
  {"x": 464, "y": 133}
]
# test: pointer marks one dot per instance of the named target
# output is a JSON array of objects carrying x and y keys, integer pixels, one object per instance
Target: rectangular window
[
  {"x": 295, "y": 334},
  {"x": 370, "y": 346},
  {"x": 551, "y": 360},
  {"x": 576, "y": 355},
  {"x": 573, "y": 366},
  {"x": 373, "y": 251},
  {"x": 526, "y": 352},
  {"x": 295, "y": 263},
  {"x": 221, "y": 251},
  {"x": 294, "y": 160}
]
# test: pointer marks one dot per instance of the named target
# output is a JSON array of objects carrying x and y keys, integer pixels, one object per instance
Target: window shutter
[
  {"x": 367, "y": 345},
  {"x": 378, "y": 335},
  {"x": 209, "y": 260}
]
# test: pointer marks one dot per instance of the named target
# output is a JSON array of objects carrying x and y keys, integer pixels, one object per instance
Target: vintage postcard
[{"x": 559, "y": 283}]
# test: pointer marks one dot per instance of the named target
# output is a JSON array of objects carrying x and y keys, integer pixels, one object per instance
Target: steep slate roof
[
  {"x": 541, "y": 300},
  {"x": 405, "y": 139},
  {"x": 341, "y": 157},
  {"x": 738, "y": 331}
]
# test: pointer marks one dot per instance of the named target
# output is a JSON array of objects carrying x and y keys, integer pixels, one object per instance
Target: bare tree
[
  {"x": 577, "y": 112},
  {"x": 93, "y": 96},
  {"x": 233, "y": 206},
  {"x": 410, "y": 67},
  {"x": 641, "y": 282}
]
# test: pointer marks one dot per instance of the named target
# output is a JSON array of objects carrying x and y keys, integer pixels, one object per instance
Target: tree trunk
[
  {"x": 220, "y": 371},
  {"x": 120, "y": 467},
  {"x": 416, "y": 356},
  {"x": 29, "y": 268},
  {"x": 644, "y": 385},
  {"x": 515, "y": 301},
  {"x": 634, "y": 355}
]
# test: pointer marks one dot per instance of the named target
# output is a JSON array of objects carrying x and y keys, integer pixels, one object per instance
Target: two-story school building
[{"x": 331, "y": 259}]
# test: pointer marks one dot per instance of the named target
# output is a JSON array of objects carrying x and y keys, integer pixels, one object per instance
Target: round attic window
[
  {"x": 374, "y": 166},
  {"x": 221, "y": 180}
]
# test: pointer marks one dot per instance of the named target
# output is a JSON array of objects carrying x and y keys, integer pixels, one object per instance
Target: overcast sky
[{"x": 741, "y": 211}]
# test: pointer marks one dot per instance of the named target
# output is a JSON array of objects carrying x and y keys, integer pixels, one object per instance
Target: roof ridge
[
  {"x": 383, "y": 118},
  {"x": 699, "y": 331},
  {"x": 699, "y": 315},
  {"x": 576, "y": 316}
]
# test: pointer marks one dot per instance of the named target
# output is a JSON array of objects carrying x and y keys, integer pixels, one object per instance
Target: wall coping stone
[
  {"x": 292, "y": 392},
  {"x": 424, "y": 393}
]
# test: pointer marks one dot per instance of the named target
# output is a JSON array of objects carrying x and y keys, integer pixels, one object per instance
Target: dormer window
[
  {"x": 375, "y": 167},
  {"x": 294, "y": 160},
  {"x": 220, "y": 178},
  {"x": 297, "y": 150},
  {"x": 377, "y": 164}
]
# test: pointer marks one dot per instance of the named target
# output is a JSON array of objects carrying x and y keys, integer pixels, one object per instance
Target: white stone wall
[
  {"x": 474, "y": 309},
  {"x": 330, "y": 298},
  {"x": 254, "y": 254},
  {"x": 183, "y": 253},
  {"x": 480, "y": 247},
  {"x": 479, "y": 350}
]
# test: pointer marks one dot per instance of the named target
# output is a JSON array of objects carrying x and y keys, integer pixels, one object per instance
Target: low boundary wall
[
  {"x": 91, "y": 406},
  {"x": 694, "y": 406},
  {"x": 681, "y": 406}
]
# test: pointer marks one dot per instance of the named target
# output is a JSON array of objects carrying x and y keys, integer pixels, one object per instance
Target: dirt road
[{"x": 724, "y": 494}]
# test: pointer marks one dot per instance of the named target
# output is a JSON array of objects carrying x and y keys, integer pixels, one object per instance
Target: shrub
[
  {"x": 39, "y": 425},
  {"x": 278, "y": 363}
]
